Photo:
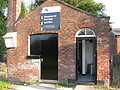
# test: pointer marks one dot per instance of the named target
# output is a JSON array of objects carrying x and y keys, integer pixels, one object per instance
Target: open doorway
[{"x": 86, "y": 55}]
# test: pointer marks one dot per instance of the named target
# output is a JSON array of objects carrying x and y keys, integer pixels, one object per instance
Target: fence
[{"x": 115, "y": 71}]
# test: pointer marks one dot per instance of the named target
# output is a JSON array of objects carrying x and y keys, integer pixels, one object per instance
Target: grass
[
  {"x": 61, "y": 85},
  {"x": 28, "y": 83},
  {"x": 105, "y": 88},
  {"x": 4, "y": 85},
  {"x": 101, "y": 88}
]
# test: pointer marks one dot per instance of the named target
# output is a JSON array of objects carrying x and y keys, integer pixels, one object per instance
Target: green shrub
[
  {"x": 101, "y": 87},
  {"x": 27, "y": 83},
  {"x": 4, "y": 85},
  {"x": 61, "y": 85}
]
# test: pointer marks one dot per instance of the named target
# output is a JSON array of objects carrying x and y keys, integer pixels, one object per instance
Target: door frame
[
  {"x": 40, "y": 60},
  {"x": 78, "y": 39}
]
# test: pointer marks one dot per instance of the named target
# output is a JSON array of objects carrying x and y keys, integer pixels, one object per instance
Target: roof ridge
[{"x": 71, "y": 6}]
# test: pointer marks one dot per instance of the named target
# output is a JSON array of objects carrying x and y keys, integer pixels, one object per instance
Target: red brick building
[{"x": 74, "y": 49}]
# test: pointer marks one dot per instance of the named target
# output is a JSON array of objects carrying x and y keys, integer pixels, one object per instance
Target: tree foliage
[
  {"x": 3, "y": 5},
  {"x": 24, "y": 10},
  {"x": 35, "y": 4},
  {"x": 38, "y": 2},
  {"x": 88, "y": 5}
]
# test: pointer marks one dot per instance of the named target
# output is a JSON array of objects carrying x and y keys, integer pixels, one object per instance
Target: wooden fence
[{"x": 115, "y": 71}]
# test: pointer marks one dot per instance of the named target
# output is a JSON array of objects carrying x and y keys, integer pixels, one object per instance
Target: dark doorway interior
[
  {"x": 86, "y": 59},
  {"x": 46, "y": 45}
]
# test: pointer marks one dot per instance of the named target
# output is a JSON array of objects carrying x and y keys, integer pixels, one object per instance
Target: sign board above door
[{"x": 50, "y": 18}]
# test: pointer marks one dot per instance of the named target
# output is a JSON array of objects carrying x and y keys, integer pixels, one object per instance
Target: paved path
[
  {"x": 36, "y": 87},
  {"x": 84, "y": 87},
  {"x": 52, "y": 87}
]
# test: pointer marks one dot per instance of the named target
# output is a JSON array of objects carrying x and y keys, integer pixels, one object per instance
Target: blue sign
[{"x": 50, "y": 21}]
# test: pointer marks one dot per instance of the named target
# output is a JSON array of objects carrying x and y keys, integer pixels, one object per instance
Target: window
[
  {"x": 85, "y": 32},
  {"x": 39, "y": 43},
  {"x": 35, "y": 44}
]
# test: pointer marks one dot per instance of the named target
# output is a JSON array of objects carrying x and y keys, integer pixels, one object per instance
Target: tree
[
  {"x": 35, "y": 4},
  {"x": 24, "y": 10},
  {"x": 38, "y": 2},
  {"x": 3, "y": 5},
  {"x": 87, "y": 5}
]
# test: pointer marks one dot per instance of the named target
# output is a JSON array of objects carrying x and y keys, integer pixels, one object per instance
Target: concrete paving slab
[
  {"x": 40, "y": 87},
  {"x": 84, "y": 87},
  {"x": 52, "y": 87},
  {"x": 36, "y": 87}
]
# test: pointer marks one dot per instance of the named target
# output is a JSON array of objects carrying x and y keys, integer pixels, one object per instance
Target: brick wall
[
  {"x": 14, "y": 10},
  {"x": 72, "y": 20}
]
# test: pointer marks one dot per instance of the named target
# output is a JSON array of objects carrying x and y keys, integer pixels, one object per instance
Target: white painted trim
[
  {"x": 51, "y": 9},
  {"x": 28, "y": 45},
  {"x": 41, "y": 28},
  {"x": 86, "y": 36},
  {"x": 77, "y": 34},
  {"x": 40, "y": 73}
]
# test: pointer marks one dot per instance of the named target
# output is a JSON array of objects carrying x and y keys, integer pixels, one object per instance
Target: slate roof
[{"x": 116, "y": 31}]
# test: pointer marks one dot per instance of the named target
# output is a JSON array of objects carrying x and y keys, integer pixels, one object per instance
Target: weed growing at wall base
[
  {"x": 61, "y": 85},
  {"x": 4, "y": 85}
]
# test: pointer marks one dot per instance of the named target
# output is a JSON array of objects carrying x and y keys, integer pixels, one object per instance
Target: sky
[{"x": 112, "y": 10}]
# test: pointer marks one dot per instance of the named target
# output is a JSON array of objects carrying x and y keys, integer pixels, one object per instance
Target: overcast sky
[{"x": 112, "y": 10}]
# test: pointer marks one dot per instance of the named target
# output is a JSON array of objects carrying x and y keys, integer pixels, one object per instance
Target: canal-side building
[{"x": 57, "y": 42}]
